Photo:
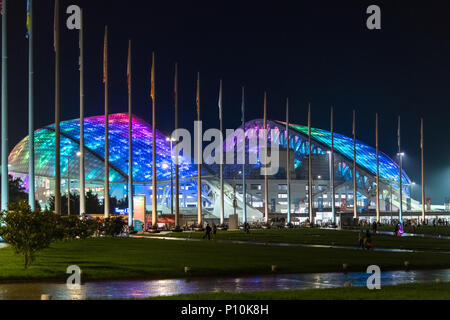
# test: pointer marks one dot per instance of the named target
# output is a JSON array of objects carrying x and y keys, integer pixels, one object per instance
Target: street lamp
[
  {"x": 411, "y": 189},
  {"x": 68, "y": 181},
  {"x": 68, "y": 185},
  {"x": 411, "y": 185},
  {"x": 332, "y": 197},
  {"x": 400, "y": 211}
]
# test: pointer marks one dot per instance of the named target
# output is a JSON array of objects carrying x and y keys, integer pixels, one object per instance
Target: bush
[
  {"x": 26, "y": 231},
  {"x": 29, "y": 232},
  {"x": 113, "y": 226},
  {"x": 72, "y": 227}
]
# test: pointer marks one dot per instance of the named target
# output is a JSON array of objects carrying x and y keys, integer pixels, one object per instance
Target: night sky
[{"x": 310, "y": 51}]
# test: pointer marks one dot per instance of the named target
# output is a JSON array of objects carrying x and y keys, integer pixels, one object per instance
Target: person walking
[
  {"x": 361, "y": 239},
  {"x": 374, "y": 227},
  {"x": 208, "y": 232},
  {"x": 214, "y": 230}
]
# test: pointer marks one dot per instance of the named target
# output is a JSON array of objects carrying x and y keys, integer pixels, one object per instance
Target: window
[
  {"x": 282, "y": 187},
  {"x": 282, "y": 196},
  {"x": 258, "y": 204},
  {"x": 255, "y": 187}
]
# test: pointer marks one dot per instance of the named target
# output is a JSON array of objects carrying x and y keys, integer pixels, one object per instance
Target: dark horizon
[{"x": 319, "y": 53}]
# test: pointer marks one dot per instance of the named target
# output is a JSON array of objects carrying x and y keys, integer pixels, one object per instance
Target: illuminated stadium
[{"x": 142, "y": 170}]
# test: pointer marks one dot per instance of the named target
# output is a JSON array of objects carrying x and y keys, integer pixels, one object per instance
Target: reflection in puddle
[{"x": 151, "y": 288}]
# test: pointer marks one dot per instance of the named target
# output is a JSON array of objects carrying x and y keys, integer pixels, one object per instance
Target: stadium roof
[
  {"x": 94, "y": 150},
  {"x": 142, "y": 150},
  {"x": 366, "y": 156}
]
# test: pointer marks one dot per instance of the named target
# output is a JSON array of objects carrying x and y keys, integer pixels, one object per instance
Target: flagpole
[
  {"x": 177, "y": 166},
  {"x": 31, "y": 194},
  {"x": 57, "y": 114},
  {"x": 310, "y": 195},
  {"x": 288, "y": 168},
  {"x": 4, "y": 106},
  {"x": 421, "y": 169},
  {"x": 244, "y": 187},
  {"x": 154, "y": 177},
  {"x": 222, "y": 205},
  {"x": 266, "y": 178},
  {"x": 355, "y": 191},
  {"x": 105, "y": 80},
  {"x": 333, "y": 197},
  {"x": 130, "y": 140},
  {"x": 199, "y": 157},
  {"x": 82, "y": 169},
  {"x": 378, "y": 168},
  {"x": 400, "y": 212}
]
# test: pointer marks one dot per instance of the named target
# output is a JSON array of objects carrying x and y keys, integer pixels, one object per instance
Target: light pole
[
  {"x": 68, "y": 185},
  {"x": 333, "y": 214},
  {"x": 68, "y": 181},
  {"x": 411, "y": 189},
  {"x": 400, "y": 209},
  {"x": 411, "y": 186}
]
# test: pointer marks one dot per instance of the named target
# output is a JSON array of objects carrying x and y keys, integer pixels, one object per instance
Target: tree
[
  {"x": 26, "y": 231},
  {"x": 93, "y": 203},
  {"x": 16, "y": 190},
  {"x": 113, "y": 226}
]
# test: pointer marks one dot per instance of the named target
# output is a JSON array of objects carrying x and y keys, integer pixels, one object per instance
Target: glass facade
[{"x": 94, "y": 151}]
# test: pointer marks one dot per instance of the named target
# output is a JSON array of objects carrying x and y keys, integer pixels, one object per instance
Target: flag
[
  {"x": 220, "y": 100},
  {"x": 55, "y": 24},
  {"x": 354, "y": 123},
  {"x": 129, "y": 67},
  {"x": 175, "y": 86},
  {"x": 197, "y": 100},
  {"x": 421, "y": 133},
  {"x": 28, "y": 19},
  {"x": 105, "y": 56},
  {"x": 152, "y": 90},
  {"x": 398, "y": 134},
  {"x": 80, "y": 39}
]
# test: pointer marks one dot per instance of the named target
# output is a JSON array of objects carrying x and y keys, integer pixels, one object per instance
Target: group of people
[
  {"x": 208, "y": 231},
  {"x": 213, "y": 229},
  {"x": 365, "y": 240}
]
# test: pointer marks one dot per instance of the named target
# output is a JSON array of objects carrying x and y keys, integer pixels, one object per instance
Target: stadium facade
[{"x": 142, "y": 170}]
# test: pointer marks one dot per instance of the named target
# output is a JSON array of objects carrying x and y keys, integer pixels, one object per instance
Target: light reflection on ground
[{"x": 151, "y": 288}]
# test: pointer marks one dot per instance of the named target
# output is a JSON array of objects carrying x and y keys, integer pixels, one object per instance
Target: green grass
[
  {"x": 128, "y": 258},
  {"x": 325, "y": 237},
  {"x": 427, "y": 229},
  {"x": 418, "y": 291}
]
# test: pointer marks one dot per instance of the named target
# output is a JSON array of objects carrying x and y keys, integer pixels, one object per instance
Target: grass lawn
[
  {"x": 323, "y": 236},
  {"x": 128, "y": 258},
  {"x": 428, "y": 229},
  {"x": 422, "y": 291}
]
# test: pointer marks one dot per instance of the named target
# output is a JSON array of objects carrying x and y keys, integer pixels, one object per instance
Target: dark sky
[{"x": 310, "y": 51}]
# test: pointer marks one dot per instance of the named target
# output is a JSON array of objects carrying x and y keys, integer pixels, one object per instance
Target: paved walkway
[
  {"x": 281, "y": 244},
  {"x": 277, "y": 244},
  {"x": 419, "y": 235}
]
